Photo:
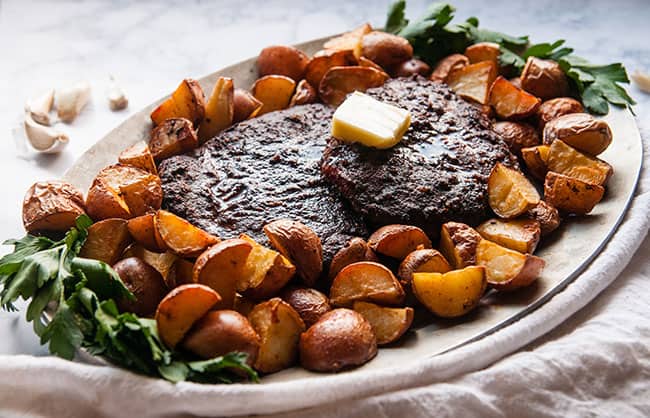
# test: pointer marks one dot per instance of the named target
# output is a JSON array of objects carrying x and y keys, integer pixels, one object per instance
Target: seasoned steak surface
[{"x": 437, "y": 173}]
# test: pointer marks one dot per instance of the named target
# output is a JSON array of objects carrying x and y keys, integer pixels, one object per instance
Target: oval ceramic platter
[{"x": 567, "y": 253}]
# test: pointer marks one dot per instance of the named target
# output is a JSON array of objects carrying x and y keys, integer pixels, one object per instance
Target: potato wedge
[
  {"x": 570, "y": 194},
  {"x": 139, "y": 155},
  {"x": 274, "y": 91},
  {"x": 510, "y": 102},
  {"x": 366, "y": 281},
  {"x": 106, "y": 240},
  {"x": 356, "y": 250},
  {"x": 473, "y": 81},
  {"x": 510, "y": 193},
  {"x": 52, "y": 206},
  {"x": 146, "y": 284},
  {"x": 220, "y": 267},
  {"x": 142, "y": 230},
  {"x": 581, "y": 131},
  {"x": 279, "y": 327},
  {"x": 220, "y": 109},
  {"x": 506, "y": 269},
  {"x": 282, "y": 60},
  {"x": 483, "y": 51},
  {"x": 547, "y": 216},
  {"x": 450, "y": 294},
  {"x": 554, "y": 108},
  {"x": 448, "y": 65},
  {"x": 304, "y": 94},
  {"x": 421, "y": 261},
  {"x": 564, "y": 159},
  {"x": 246, "y": 106},
  {"x": 180, "y": 309},
  {"x": 309, "y": 303},
  {"x": 398, "y": 241},
  {"x": 349, "y": 41},
  {"x": 322, "y": 61},
  {"x": 365, "y": 62},
  {"x": 388, "y": 324},
  {"x": 517, "y": 234},
  {"x": 265, "y": 273},
  {"x": 517, "y": 135},
  {"x": 172, "y": 137},
  {"x": 187, "y": 102},
  {"x": 535, "y": 159},
  {"x": 544, "y": 78},
  {"x": 163, "y": 262},
  {"x": 181, "y": 237},
  {"x": 338, "y": 82},
  {"x": 458, "y": 244},
  {"x": 385, "y": 49}
]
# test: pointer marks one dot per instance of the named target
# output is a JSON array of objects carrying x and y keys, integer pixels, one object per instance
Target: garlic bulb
[
  {"x": 642, "y": 80},
  {"x": 39, "y": 108},
  {"x": 117, "y": 100},
  {"x": 44, "y": 138},
  {"x": 71, "y": 100}
]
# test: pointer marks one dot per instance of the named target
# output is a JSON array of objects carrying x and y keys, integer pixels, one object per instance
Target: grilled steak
[{"x": 437, "y": 173}]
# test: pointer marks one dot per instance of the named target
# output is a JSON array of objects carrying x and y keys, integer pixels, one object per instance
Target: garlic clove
[
  {"x": 39, "y": 108},
  {"x": 642, "y": 80},
  {"x": 44, "y": 138},
  {"x": 117, "y": 99},
  {"x": 71, "y": 100}
]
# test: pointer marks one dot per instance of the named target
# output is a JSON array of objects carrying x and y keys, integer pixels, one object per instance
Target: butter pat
[{"x": 372, "y": 123}]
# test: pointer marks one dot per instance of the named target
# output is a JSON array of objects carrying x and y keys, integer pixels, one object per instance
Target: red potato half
[
  {"x": 187, "y": 102},
  {"x": 356, "y": 250},
  {"x": 510, "y": 193},
  {"x": 517, "y": 234},
  {"x": 246, "y": 106},
  {"x": 282, "y": 60},
  {"x": 139, "y": 155},
  {"x": 398, "y": 241},
  {"x": 338, "y": 82},
  {"x": 506, "y": 269},
  {"x": 422, "y": 261},
  {"x": 322, "y": 61},
  {"x": 274, "y": 92},
  {"x": 510, "y": 102},
  {"x": 143, "y": 232},
  {"x": 106, "y": 240},
  {"x": 181, "y": 237},
  {"x": 473, "y": 81},
  {"x": 220, "y": 109},
  {"x": 349, "y": 41},
  {"x": 366, "y": 281},
  {"x": 458, "y": 243},
  {"x": 52, "y": 206},
  {"x": 388, "y": 324}
]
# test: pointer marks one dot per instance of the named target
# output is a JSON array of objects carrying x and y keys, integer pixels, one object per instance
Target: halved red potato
[
  {"x": 106, "y": 240},
  {"x": 507, "y": 269},
  {"x": 309, "y": 303},
  {"x": 473, "y": 81},
  {"x": 511, "y": 102},
  {"x": 163, "y": 262},
  {"x": 220, "y": 109},
  {"x": 181, "y": 237},
  {"x": 412, "y": 67},
  {"x": 187, "y": 102},
  {"x": 139, "y": 155},
  {"x": 510, "y": 193},
  {"x": 422, "y": 261},
  {"x": 172, "y": 137},
  {"x": 570, "y": 194},
  {"x": 547, "y": 216},
  {"x": 356, "y": 250},
  {"x": 544, "y": 78},
  {"x": 304, "y": 94},
  {"x": 349, "y": 41},
  {"x": 388, "y": 324},
  {"x": 535, "y": 159},
  {"x": 146, "y": 284},
  {"x": 274, "y": 91},
  {"x": 554, "y": 108},
  {"x": 365, "y": 62},
  {"x": 448, "y": 65},
  {"x": 483, "y": 51},
  {"x": 517, "y": 234},
  {"x": 398, "y": 241},
  {"x": 564, "y": 159},
  {"x": 322, "y": 61},
  {"x": 366, "y": 281},
  {"x": 458, "y": 243},
  {"x": 52, "y": 206},
  {"x": 246, "y": 106},
  {"x": 386, "y": 49},
  {"x": 517, "y": 135},
  {"x": 181, "y": 272},
  {"x": 282, "y": 60},
  {"x": 581, "y": 131},
  {"x": 142, "y": 230},
  {"x": 266, "y": 272},
  {"x": 338, "y": 82}
]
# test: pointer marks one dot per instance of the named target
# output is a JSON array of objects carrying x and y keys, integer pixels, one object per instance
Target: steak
[{"x": 437, "y": 173}]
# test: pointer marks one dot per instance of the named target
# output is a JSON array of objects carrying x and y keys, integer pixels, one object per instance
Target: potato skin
[
  {"x": 581, "y": 131},
  {"x": 341, "y": 338},
  {"x": 245, "y": 105},
  {"x": 458, "y": 243},
  {"x": 544, "y": 78},
  {"x": 304, "y": 94},
  {"x": 448, "y": 65},
  {"x": 355, "y": 251},
  {"x": 309, "y": 303},
  {"x": 415, "y": 261},
  {"x": 282, "y": 60},
  {"x": 385, "y": 49},
  {"x": 412, "y": 67},
  {"x": 517, "y": 135},
  {"x": 554, "y": 108},
  {"x": 144, "y": 282},
  {"x": 52, "y": 206},
  {"x": 139, "y": 156},
  {"x": 172, "y": 137},
  {"x": 570, "y": 194},
  {"x": 547, "y": 216},
  {"x": 106, "y": 241}
]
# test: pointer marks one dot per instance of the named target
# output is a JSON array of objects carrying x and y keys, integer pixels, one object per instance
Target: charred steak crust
[
  {"x": 437, "y": 173},
  {"x": 258, "y": 171}
]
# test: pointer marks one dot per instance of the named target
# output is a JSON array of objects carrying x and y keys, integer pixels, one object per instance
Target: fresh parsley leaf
[
  {"x": 63, "y": 333},
  {"x": 547, "y": 51},
  {"x": 396, "y": 21}
]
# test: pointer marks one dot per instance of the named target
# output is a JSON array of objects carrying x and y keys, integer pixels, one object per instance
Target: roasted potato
[
  {"x": 338, "y": 82},
  {"x": 172, "y": 137},
  {"x": 506, "y": 269},
  {"x": 421, "y": 261},
  {"x": 554, "y": 108},
  {"x": 52, "y": 206},
  {"x": 450, "y": 294},
  {"x": 517, "y": 135},
  {"x": 365, "y": 62},
  {"x": 279, "y": 327},
  {"x": 243, "y": 305},
  {"x": 340, "y": 339},
  {"x": 473, "y": 81},
  {"x": 448, "y": 65},
  {"x": 187, "y": 102},
  {"x": 221, "y": 332},
  {"x": 535, "y": 159},
  {"x": 181, "y": 237},
  {"x": 300, "y": 244},
  {"x": 282, "y": 60},
  {"x": 246, "y": 106},
  {"x": 139, "y": 155},
  {"x": 570, "y": 194},
  {"x": 163, "y": 262},
  {"x": 180, "y": 309},
  {"x": 309, "y": 303},
  {"x": 274, "y": 91},
  {"x": 547, "y": 216},
  {"x": 142, "y": 230},
  {"x": 322, "y": 61},
  {"x": 510, "y": 193},
  {"x": 356, "y": 250},
  {"x": 483, "y": 51},
  {"x": 181, "y": 273},
  {"x": 265, "y": 273},
  {"x": 366, "y": 281},
  {"x": 146, "y": 284},
  {"x": 388, "y": 324},
  {"x": 220, "y": 109},
  {"x": 304, "y": 94},
  {"x": 564, "y": 159},
  {"x": 544, "y": 78},
  {"x": 349, "y": 41},
  {"x": 398, "y": 241},
  {"x": 412, "y": 67},
  {"x": 510, "y": 102},
  {"x": 106, "y": 240},
  {"x": 385, "y": 49},
  {"x": 458, "y": 243},
  {"x": 220, "y": 267},
  {"x": 581, "y": 131},
  {"x": 517, "y": 234}
]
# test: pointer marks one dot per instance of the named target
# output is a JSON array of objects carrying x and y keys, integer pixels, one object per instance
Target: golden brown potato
[
  {"x": 535, "y": 159},
  {"x": 547, "y": 216},
  {"x": 448, "y": 65},
  {"x": 507, "y": 269},
  {"x": 220, "y": 267},
  {"x": 322, "y": 61},
  {"x": 300, "y": 244},
  {"x": 142, "y": 229},
  {"x": 510, "y": 193},
  {"x": 349, "y": 41},
  {"x": 421, "y": 261},
  {"x": 181, "y": 273},
  {"x": 510, "y": 102},
  {"x": 279, "y": 327},
  {"x": 282, "y": 60},
  {"x": 570, "y": 194},
  {"x": 304, "y": 94},
  {"x": 398, "y": 241},
  {"x": 180, "y": 309},
  {"x": 139, "y": 155},
  {"x": 385, "y": 49},
  {"x": 246, "y": 106},
  {"x": 356, "y": 250},
  {"x": 366, "y": 281},
  {"x": 106, "y": 240},
  {"x": 517, "y": 234},
  {"x": 564, "y": 159},
  {"x": 265, "y": 273},
  {"x": 163, "y": 262},
  {"x": 220, "y": 109},
  {"x": 146, "y": 284},
  {"x": 458, "y": 243},
  {"x": 412, "y": 67},
  {"x": 365, "y": 62},
  {"x": 388, "y": 324},
  {"x": 218, "y": 333},
  {"x": 450, "y": 294},
  {"x": 581, "y": 131},
  {"x": 274, "y": 91},
  {"x": 338, "y": 82},
  {"x": 473, "y": 81},
  {"x": 554, "y": 108},
  {"x": 483, "y": 51},
  {"x": 52, "y": 206},
  {"x": 172, "y": 137},
  {"x": 187, "y": 102},
  {"x": 544, "y": 78},
  {"x": 517, "y": 135},
  {"x": 181, "y": 237},
  {"x": 341, "y": 339},
  {"x": 309, "y": 303}
]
